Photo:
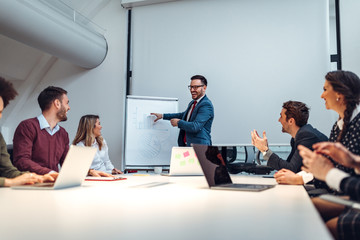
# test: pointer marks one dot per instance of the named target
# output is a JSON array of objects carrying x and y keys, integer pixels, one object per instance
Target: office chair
[{"x": 249, "y": 166}]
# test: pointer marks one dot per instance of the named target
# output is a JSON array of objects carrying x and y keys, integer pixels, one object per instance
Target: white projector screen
[{"x": 256, "y": 54}]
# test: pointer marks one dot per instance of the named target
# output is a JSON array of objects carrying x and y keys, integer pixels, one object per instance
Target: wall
[
  {"x": 350, "y": 35},
  {"x": 256, "y": 54},
  {"x": 99, "y": 91}
]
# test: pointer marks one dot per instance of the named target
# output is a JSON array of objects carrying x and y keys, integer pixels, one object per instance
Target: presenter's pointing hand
[{"x": 157, "y": 115}]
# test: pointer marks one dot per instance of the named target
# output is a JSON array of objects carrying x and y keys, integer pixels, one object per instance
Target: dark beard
[{"x": 61, "y": 114}]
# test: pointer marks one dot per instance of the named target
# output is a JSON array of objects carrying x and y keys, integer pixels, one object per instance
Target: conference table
[{"x": 150, "y": 206}]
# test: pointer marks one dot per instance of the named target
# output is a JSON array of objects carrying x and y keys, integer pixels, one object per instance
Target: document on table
[{"x": 116, "y": 178}]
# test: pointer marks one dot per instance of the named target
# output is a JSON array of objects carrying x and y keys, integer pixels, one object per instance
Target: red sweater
[{"x": 36, "y": 150}]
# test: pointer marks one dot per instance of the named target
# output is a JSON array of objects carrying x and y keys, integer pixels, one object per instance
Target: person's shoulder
[
  {"x": 29, "y": 122},
  {"x": 205, "y": 98},
  {"x": 1, "y": 138},
  {"x": 308, "y": 130},
  {"x": 81, "y": 144},
  {"x": 206, "y": 101},
  {"x": 356, "y": 119}
]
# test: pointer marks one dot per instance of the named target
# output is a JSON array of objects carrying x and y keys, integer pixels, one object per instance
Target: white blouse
[
  {"x": 101, "y": 160},
  {"x": 340, "y": 122}
]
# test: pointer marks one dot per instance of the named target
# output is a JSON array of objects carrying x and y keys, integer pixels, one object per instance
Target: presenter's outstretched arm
[{"x": 158, "y": 116}]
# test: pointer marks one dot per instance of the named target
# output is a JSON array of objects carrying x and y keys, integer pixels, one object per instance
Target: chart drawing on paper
[{"x": 149, "y": 143}]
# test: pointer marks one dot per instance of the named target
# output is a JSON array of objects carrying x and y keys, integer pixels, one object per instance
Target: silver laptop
[
  {"x": 342, "y": 201},
  {"x": 73, "y": 171},
  {"x": 184, "y": 162},
  {"x": 216, "y": 173}
]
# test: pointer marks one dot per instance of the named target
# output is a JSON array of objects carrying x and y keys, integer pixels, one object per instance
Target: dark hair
[
  {"x": 297, "y": 110},
  {"x": 48, "y": 95},
  {"x": 7, "y": 91},
  {"x": 347, "y": 84},
  {"x": 201, "y": 78}
]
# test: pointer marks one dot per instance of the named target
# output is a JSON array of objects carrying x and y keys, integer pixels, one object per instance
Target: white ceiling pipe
[
  {"x": 138, "y": 3},
  {"x": 40, "y": 26}
]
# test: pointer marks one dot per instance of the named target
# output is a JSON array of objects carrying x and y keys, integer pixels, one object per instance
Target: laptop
[
  {"x": 184, "y": 162},
  {"x": 342, "y": 201},
  {"x": 216, "y": 173},
  {"x": 73, "y": 171}
]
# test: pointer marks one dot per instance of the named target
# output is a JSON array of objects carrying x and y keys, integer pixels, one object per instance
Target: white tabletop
[{"x": 160, "y": 207}]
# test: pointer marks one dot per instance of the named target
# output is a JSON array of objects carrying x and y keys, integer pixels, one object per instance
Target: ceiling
[
  {"x": 17, "y": 60},
  {"x": 25, "y": 66},
  {"x": 88, "y": 8}
]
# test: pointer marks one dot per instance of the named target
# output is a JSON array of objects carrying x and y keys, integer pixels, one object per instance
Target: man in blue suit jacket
[{"x": 195, "y": 123}]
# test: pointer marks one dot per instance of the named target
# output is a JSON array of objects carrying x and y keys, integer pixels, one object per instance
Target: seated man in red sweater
[{"x": 40, "y": 144}]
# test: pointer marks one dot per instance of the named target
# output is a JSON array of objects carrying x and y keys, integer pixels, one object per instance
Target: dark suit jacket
[
  {"x": 198, "y": 128},
  {"x": 349, "y": 220},
  {"x": 307, "y": 136},
  {"x": 351, "y": 186}
]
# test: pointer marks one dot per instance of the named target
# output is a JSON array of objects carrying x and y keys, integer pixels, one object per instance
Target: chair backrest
[
  {"x": 231, "y": 154},
  {"x": 249, "y": 154}
]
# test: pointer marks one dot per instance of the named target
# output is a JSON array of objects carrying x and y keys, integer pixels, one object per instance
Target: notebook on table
[
  {"x": 73, "y": 171},
  {"x": 184, "y": 162},
  {"x": 215, "y": 171}
]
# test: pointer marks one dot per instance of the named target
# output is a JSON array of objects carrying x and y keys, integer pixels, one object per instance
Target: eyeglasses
[{"x": 195, "y": 87}]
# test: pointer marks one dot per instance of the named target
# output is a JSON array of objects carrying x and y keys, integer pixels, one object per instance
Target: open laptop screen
[{"x": 212, "y": 164}]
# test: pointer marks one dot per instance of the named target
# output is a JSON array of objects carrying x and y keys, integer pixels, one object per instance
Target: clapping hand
[
  {"x": 258, "y": 142},
  {"x": 315, "y": 163}
]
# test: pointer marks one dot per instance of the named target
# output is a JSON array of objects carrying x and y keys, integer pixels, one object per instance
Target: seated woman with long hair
[{"x": 89, "y": 134}]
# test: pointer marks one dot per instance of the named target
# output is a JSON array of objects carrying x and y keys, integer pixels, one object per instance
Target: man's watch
[{"x": 265, "y": 152}]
